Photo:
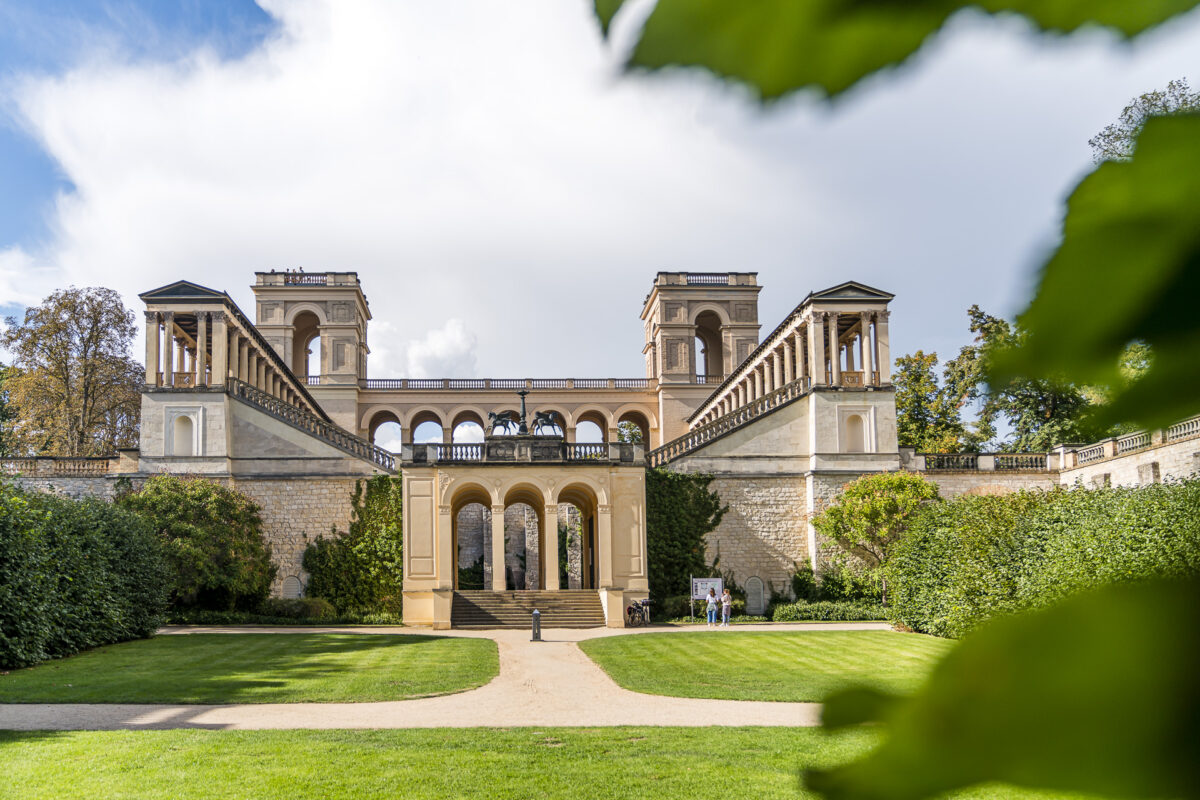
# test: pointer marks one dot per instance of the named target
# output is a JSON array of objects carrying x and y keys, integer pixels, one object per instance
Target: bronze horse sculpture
[
  {"x": 545, "y": 419},
  {"x": 505, "y": 420}
]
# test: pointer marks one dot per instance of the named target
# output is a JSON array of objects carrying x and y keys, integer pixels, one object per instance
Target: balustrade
[
  {"x": 1019, "y": 462},
  {"x": 1090, "y": 454},
  {"x": 511, "y": 384},
  {"x": 1184, "y": 430},
  {"x": 1134, "y": 441},
  {"x": 951, "y": 461}
]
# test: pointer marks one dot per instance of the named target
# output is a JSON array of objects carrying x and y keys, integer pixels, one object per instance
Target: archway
[
  {"x": 471, "y": 537},
  {"x": 856, "y": 439},
  {"x": 306, "y": 344},
  {"x": 469, "y": 432},
  {"x": 524, "y": 537},
  {"x": 384, "y": 431},
  {"x": 182, "y": 436},
  {"x": 710, "y": 357},
  {"x": 588, "y": 432},
  {"x": 632, "y": 426},
  {"x": 578, "y": 560}
]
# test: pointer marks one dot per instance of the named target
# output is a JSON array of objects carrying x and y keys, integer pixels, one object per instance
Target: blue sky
[{"x": 505, "y": 193}]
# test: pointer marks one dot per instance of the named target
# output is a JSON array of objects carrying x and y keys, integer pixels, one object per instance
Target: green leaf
[
  {"x": 1097, "y": 694},
  {"x": 1128, "y": 270},
  {"x": 779, "y": 46},
  {"x": 605, "y": 11}
]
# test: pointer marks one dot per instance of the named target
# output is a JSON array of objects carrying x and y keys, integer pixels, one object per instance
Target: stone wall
[
  {"x": 520, "y": 541},
  {"x": 764, "y": 532},
  {"x": 295, "y": 511},
  {"x": 956, "y": 484},
  {"x": 1150, "y": 465},
  {"x": 76, "y": 488}
]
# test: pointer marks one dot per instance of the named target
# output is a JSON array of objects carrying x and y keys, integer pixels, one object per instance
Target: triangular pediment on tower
[
  {"x": 852, "y": 290},
  {"x": 183, "y": 290}
]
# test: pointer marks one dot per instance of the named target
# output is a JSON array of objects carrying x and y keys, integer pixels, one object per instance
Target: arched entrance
[
  {"x": 578, "y": 546},
  {"x": 471, "y": 537},
  {"x": 524, "y": 537}
]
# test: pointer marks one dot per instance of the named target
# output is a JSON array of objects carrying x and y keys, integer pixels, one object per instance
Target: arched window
[
  {"x": 856, "y": 434},
  {"x": 182, "y": 436}
]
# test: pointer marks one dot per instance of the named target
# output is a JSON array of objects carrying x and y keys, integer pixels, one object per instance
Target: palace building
[{"x": 533, "y": 490}]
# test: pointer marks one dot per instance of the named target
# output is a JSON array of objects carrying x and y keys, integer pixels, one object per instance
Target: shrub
[
  {"x": 804, "y": 584},
  {"x": 298, "y": 608},
  {"x": 974, "y": 558},
  {"x": 74, "y": 575},
  {"x": 361, "y": 571},
  {"x": 680, "y": 510},
  {"x": 827, "y": 611},
  {"x": 213, "y": 538}
]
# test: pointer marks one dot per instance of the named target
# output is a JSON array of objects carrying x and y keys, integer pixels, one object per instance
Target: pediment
[
  {"x": 183, "y": 290},
  {"x": 852, "y": 290}
]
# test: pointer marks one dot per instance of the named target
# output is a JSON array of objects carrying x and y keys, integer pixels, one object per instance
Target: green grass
[
  {"x": 776, "y": 665},
  {"x": 259, "y": 668},
  {"x": 546, "y": 763}
]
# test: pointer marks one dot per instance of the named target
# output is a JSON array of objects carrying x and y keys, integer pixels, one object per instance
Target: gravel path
[{"x": 548, "y": 683}]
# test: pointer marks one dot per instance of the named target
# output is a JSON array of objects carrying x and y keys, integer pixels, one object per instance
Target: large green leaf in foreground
[
  {"x": 1128, "y": 270},
  {"x": 1098, "y": 694},
  {"x": 777, "y": 46}
]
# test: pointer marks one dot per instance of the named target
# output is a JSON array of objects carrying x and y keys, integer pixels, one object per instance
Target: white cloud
[
  {"x": 448, "y": 352},
  {"x": 485, "y": 162}
]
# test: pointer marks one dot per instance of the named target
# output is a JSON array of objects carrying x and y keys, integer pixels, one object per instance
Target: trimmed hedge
[
  {"x": 972, "y": 558},
  {"x": 74, "y": 574},
  {"x": 827, "y": 611}
]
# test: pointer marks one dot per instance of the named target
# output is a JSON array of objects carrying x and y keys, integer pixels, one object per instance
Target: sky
[{"x": 506, "y": 193}]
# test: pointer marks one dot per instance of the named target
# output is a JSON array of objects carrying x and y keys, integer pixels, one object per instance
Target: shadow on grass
[{"x": 246, "y": 668}]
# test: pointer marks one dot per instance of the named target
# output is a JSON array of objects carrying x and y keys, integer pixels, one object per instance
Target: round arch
[
  {"x": 703, "y": 308},
  {"x": 420, "y": 415},
  {"x": 593, "y": 413},
  {"x": 315, "y": 308},
  {"x": 460, "y": 414},
  {"x": 377, "y": 416},
  {"x": 582, "y": 562}
]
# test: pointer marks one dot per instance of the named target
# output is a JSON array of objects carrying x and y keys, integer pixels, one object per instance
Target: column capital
[
  {"x": 498, "y": 508},
  {"x": 603, "y": 509},
  {"x": 151, "y": 317},
  {"x": 882, "y": 316}
]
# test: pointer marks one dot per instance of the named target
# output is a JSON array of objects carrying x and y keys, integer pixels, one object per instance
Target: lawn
[
  {"x": 613, "y": 763},
  {"x": 776, "y": 665},
  {"x": 259, "y": 668}
]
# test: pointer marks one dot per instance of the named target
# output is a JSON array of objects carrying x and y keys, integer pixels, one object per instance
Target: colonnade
[
  {"x": 194, "y": 349},
  {"x": 817, "y": 348}
]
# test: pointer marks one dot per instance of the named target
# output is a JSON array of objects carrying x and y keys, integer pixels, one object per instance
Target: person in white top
[
  {"x": 712, "y": 607},
  {"x": 726, "y": 607}
]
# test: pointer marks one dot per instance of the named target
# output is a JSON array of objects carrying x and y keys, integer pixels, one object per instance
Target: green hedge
[
  {"x": 972, "y": 558},
  {"x": 74, "y": 575},
  {"x": 827, "y": 611}
]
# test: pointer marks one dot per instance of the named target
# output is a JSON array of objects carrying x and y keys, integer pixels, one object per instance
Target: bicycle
[{"x": 638, "y": 613}]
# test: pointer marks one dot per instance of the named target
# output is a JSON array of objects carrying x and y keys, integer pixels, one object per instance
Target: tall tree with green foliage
[
  {"x": 73, "y": 387},
  {"x": 1041, "y": 412},
  {"x": 7, "y": 415},
  {"x": 1118, "y": 140},
  {"x": 362, "y": 570},
  {"x": 680, "y": 510},
  {"x": 927, "y": 416},
  {"x": 213, "y": 539},
  {"x": 872, "y": 514}
]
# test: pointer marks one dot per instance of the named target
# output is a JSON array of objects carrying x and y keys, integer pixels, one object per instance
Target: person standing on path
[
  {"x": 712, "y": 607},
  {"x": 726, "y": 607}
]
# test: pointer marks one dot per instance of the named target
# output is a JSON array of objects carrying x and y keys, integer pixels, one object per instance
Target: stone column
[
  {"x": 153, "y": 334},
  {"x": 868, "y": 363},
  {"x": 604, "y": 546},
  {"x": 789, "y": 362},
  {"x": 835, "y": 353},
  {"x": 201, "y": 345},
  {"x": 849, "y": 357},
  {"x": 569, "y": 433},
  {"x": 884, "y": 347},
  {"x": 550, "y": 554},
  {"x": 758, "y": 382},
  {"x": 169, "y": 355},
  {"x": 498, "y": 565},
  {"x": 777, "y": 368},
  {"x": 447, "y": 435},
  {"x": 816, "y": 347},
  {"x": 801, "y": 362}
]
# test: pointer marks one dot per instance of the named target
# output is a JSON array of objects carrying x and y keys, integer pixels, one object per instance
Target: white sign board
[{"x": 700, "y": 587}]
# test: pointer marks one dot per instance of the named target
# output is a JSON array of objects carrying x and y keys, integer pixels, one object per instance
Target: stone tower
[
  {"x": 699, "y": 327},
  {"x": 302, "y": 314}
]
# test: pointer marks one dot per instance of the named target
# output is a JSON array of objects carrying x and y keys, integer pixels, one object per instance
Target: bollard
[{"x": 537, "y": 626}]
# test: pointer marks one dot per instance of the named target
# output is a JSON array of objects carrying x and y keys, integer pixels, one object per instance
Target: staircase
[{"x": 572, "y": 608}]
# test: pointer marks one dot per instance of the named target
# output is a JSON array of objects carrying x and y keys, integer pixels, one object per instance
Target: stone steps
[{"x": 568, "y": 608}]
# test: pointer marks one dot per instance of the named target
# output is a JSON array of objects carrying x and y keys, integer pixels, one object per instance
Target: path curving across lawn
[
  {"x": 785, "y": 666},
  {"x": 259, "y": 668}
]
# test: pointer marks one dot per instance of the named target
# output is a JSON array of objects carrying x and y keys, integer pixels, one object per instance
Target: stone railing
[
  {"x": 304, "y": 279},
  {"x": 1184, "y": 430},
  {"x": 56, "y": 466},
  {"x": 707, "y": 279},
  {"x": 312, "y": 425},
  {"x": 937, "y": 462},
  {"x": 1089, "y": 454},
  {"x": 1134, "y": 441},
  {"x": 507, "y": 384},
  {"x": 698, "y": 437},
  {"x": 1022, "y": 462},
  {"x": 522, "y": 449}
]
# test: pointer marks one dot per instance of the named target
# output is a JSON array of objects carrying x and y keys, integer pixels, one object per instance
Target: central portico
[{"x": 605, "y": 482}]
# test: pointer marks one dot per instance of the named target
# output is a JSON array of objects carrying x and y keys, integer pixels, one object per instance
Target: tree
[
  {"x": 362, "y": 570},
  {"x": 1042, "y": 412},
  {"x": 73, "y": 388},
  {"x": 1117, "y": 141},
  {"x": 213, "y": 538},
  {"x": 680, "y": 510},
  {"x": 927, "y": 416},
  {"x": 629, "y": 433},
  {"x": 7, "y": 415},
  {"x": 873, "y": 513}
]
